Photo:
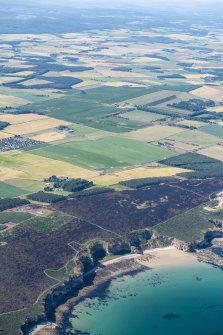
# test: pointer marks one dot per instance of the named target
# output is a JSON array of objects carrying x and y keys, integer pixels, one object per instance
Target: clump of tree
[
  {"x": 8, "y": 203},
  {"x": 93, "y": 191},
  {"x": 3, "y": 125},
  {"x": 143, "y": 182},
  {"x": 69, "y": 184},
  {"x": 193, "y": 105},
  {"x": 201, "y": 166},
  {"x": 46, "y": 197}
]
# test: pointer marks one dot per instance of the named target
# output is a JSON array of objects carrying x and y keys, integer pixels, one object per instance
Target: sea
[{"x": 177, "y": 300}]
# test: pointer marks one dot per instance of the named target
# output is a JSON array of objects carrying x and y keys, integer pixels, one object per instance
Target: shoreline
[{"x": 126, "y": 265}]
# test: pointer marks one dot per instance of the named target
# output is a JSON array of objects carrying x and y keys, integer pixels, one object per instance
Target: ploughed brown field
[{"x": 109, "y": 216}]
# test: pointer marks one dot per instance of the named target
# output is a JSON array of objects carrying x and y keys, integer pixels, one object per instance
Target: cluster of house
[{"x": 17, "y": 142}]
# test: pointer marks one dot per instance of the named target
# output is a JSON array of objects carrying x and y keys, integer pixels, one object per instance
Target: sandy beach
[{"x": 159, "y": 257}]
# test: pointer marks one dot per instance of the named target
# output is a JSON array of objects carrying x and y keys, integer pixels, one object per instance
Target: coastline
[{"x": 120, "y": 266}]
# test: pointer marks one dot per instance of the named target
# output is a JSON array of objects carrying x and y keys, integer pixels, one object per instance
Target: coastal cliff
[{"x": 56, "y": 303}]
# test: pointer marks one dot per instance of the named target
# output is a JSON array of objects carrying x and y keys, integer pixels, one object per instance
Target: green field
[
  {"x": 189, "y": 226},
  {"x": 15, "y": 217},
  {"x": 104, "y": 153},
  {"x": 191, "y": 123},
  {"x": 213, "y": 129},
  {"x": 141, "y": 116},
  {"x": 47, "y": 224},
  {"x": 78, "y": 109},
  {"x": 11, "y": 191},
  {"x": 196, "y": 137}
]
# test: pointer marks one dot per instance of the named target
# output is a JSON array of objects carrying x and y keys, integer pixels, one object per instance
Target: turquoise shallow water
[{"x": 173, "y": 301}]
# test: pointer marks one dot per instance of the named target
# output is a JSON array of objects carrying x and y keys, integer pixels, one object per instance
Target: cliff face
[{"x": 60, "y": 294}]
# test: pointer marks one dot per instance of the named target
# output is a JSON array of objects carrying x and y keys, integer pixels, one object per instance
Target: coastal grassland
[
  {"x": 214, "y": 152},
  {"x": 25, "y": 165},
  {"x": 154, "y": 133},
  {"x": 141, "y": 116},
  {"x": 190, "y": 226},
  {"x": 104, "y": 153},
  {"x": 196, "y": 137},
  {"x": 10, "y": 191},
  {"x": 135, "y": 173},
  {"x": 70, "y": 269},
  {"x": 213, "y": 129}
]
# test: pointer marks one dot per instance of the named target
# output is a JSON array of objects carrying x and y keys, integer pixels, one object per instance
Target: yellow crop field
[
  {"x": 208, "y": 92},
  {"x": 32, "y": 127},
  {"x": 154, "y": 133},
  {"x": 215, "y": 151},
  {"x": 8, "y": 173},
  {"x": 216, "y": 109},
  {"x": 8, "y": 100},
  {"x": 20, "y": 118},
  {"x": 50, "y": 136},
  {"x": 4, "y": 135},
  {"x": 17, "y": 164},
  {"x": 35, "y": 81},
  {"x": 136, "y": 173}
]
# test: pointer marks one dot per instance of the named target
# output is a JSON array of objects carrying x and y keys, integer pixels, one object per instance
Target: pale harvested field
[
  {"x": 207, "y": 92},
  {"x": 9, "y": 173},
  {"x": 20, "y": 118},
  {"x": 196, "y": 137},
  {"x": 5, "y": 80},
  {"x": 192, "y": 123},
  {"x": 34, "y": 126},
  {"x": 4, "y": 135},
  {"x": 216, "y": 109},
  {"x": 22, "y": 74},
  {"x": 49, "y": 136},
  {"x": 146, "y": 60},
  {"x": 120, "y": 74},
  {"x": 182, "y": 146},
  {"x": 154, "y": 133},
  {"x": 86, "y": 83},
  {"x": 122, "y": 83},
  {"x": 31, "y": 82},
  {"x": 19, "y": 37},
  {"x": 136, "y": 173},
  {"x": 214, "y": 152},
  {"x": 7, "y": 100},
  {"x": 197, "y": 76},
  {"x": 17, "y": 164}
]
